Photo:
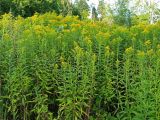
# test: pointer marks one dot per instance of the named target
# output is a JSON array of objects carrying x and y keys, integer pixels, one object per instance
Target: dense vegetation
[
  {"x": 54, "y": 67},
  {"x": 26, "y": 8}
]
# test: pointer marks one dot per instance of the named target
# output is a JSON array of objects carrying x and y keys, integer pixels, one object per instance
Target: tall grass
[{"x": 53, "y": 67}]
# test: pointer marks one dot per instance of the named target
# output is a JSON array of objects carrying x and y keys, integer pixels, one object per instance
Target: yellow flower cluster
[
  {"x": 146, "y": 31},
  {"x": 92, "y": 25},
  {"x": 60, "y": 17},
  {"x": 141, "y": 54},
  {"x": 147, "y": 43},
  {"x": 66, "y": 31},
  {"x": 75, "y": 25},
  {"x": 55, "y": 27},
  {"x": 6, "y": 36},
  {"x": 38, "y": 28},
  {"x": 67, "y": 19},
  {"x": 64, "y": 64},
  {"x": 158, "y": 46},
  {"x": 34, "y": 18},
  {"x": 102, "y": 35},
  {"x": 150, "y": 52},
  {"x": 129, "y": 50}
]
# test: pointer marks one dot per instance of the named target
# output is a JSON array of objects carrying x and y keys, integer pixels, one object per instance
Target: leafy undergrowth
[{"x": 53, "y": 67}]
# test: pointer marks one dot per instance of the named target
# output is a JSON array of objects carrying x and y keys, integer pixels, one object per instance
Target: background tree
[
  {"x": 5, "y": 6},
  {"x": 67, "y": 7},
  {"x": 94, "y": 13},
  {"x": 27, "y": 8},
  {"x": 122, "y": 13},
  {"x": 83, "y": 8},
  {"x": 102, "y": 9},
  {"x": 146, "y": 10},
  {"x": 153, "y": 10}
]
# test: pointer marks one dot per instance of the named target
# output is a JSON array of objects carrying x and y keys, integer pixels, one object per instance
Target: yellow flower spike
[
  {"x": 66, "y": 19},
  {"x": 61, "y": 59},
  {"x": 34, "y": 17},
  {"x": 103, "y": 36},
  {"x": 158, "y": 46},
  {"x": 107, "y": 36},
  {"x": 73, "y": 29},
  {"x": 150, "y": 52},
  {"x": 78, "y": 49},
  {"x": 38, "y": 28},
  {"x": 6, "y": 36},
  {"x": 49, "y": 30},
  {"x": 145, "y": 31},
  {"x": 27, "y": 33},
  {"x": 92, "y": 25},
  {"x": 147, "y": 43},
  {"x": 140, "y": 54},
  {"x": 59, "y": 17},
  {"x": 64, "y": 64},
  {"x": 42, "y": 30},
  {"x": 100, "y": 33},
  {"x": 66, "y": 31},
  {"x": 53, "y": 21},
  {"x": 129, "y": 50},
  {"x": 75, "y": 25}
]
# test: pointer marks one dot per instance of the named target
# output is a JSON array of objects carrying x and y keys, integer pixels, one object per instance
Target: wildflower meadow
[{"x": 62, "y": 68}]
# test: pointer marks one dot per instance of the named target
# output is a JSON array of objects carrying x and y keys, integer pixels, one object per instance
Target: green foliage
[
  {"x": 140, "y": 19},
  {"x": 27, "y": 8},
  {"x": 54, "y": 67},
  {"x": 102, "y": 9},
  {"x": 94, "y": 13},
  {"x": 83, "y": 8},
  {"x": 122, "y": 14}
]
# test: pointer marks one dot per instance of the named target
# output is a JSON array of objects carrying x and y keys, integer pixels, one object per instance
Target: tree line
[
  {"x": 123, "y": 12},
  {"x": 26, "y": 8}
]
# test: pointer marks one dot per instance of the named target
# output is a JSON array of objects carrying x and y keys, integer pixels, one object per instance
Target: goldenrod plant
[{"x": 60, "y": 68}]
